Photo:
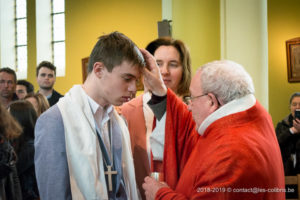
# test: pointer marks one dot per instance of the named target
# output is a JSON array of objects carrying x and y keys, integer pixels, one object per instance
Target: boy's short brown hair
[{"x": 114, "y": 48}]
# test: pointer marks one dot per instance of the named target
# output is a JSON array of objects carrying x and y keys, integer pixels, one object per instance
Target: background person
[
  {"x": 23, "y": 88},
  {"x": 8, "y": 80},
  {"x": 237, "y": 147},
  {"x": 173, "y": 59},
  {"x": 9, "y": 181},
  {"x": 288, "y": 135},
  {"x": 46, "y": 76},
  {"x": 39, "y": 102},
  {"x": 25, "y": 114}
]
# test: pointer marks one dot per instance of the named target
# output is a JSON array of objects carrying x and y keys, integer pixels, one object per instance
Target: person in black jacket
[
  {"x": 288, "y": 135},
  {"x": 9, "y": 182},
  {"x": 24, "y": 112},
  {"x": 46, "y": 76}
]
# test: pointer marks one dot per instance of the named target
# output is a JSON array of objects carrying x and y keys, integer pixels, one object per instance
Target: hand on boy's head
[
  {"x": 152, "y": 77},
  {"x": 149, "y": 60}
]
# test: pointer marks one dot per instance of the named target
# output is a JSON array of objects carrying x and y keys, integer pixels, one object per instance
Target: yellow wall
[
  {"x": 197, "y": 23},
  {"x": 283, "y": 24},
  {"x": 87, "y": 20}
]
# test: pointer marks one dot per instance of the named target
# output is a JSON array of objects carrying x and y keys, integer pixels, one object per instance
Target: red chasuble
[
  {"x": 237, "y": 158},
  {"x": 180, "y": 138}
]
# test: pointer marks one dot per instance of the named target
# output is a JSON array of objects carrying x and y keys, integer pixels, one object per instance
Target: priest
[{"x": 237, "y": 155}]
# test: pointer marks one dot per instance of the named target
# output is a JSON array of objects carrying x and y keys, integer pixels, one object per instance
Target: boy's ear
[{"x": 98, "y": 69}]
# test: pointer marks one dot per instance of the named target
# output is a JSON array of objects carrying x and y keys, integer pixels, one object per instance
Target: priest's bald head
[{"x": 216, "y": 84}]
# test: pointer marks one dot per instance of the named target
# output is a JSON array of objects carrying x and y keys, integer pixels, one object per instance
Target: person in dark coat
[
  {"x": 46, "y": 77},
  {"x": 9, "y": 182},
  {"x": 24, "y": 112},
  {"x": 288, "y": 135}
]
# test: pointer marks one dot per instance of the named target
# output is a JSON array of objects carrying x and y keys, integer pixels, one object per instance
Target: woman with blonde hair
[{"x": 39, "y": 102}]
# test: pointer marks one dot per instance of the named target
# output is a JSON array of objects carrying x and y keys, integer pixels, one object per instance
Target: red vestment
[
  {"x": 179, "y": 140},
  {"x": 134, "y": 115},
  {"x": 236, "y": 155}
]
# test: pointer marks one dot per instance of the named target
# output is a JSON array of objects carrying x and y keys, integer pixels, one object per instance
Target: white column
[
  {"x": 244, "y": 39},
  {"x": 167, "y": 9}
]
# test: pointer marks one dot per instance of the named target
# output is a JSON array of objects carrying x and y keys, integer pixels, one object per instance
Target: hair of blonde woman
[
  {"x": 185, "y": 59},
  {"x": 42, "y": 102},
  {"x": 9, "y": 127}
]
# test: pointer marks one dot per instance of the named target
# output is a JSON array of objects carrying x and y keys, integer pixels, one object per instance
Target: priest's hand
[
  {"x": 151, "y": 186},
  {"x": 152, "y": 77}
]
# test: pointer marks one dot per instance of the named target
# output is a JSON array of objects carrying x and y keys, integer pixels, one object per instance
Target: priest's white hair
[{"x": 226, "y": 79}]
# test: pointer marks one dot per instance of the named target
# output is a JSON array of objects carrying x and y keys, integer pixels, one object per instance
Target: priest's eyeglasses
[{"x": 190, "y": 98}]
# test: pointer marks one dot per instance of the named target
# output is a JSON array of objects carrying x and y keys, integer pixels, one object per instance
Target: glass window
[
  {"x": 21, "y": 39},
  {"x": 58, "y": 36},
  {"x": 59, "y": 57},
  {"x": 22, "y": 57},
  {"x": 21, "y": 9},
  {"x": 58, "y": 27},
  {"x": 21, "y": 32},
  {"x": 58, "y": 6}
]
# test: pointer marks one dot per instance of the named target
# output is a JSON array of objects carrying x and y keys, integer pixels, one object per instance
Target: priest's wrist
[{"x": 162, "y": 91}]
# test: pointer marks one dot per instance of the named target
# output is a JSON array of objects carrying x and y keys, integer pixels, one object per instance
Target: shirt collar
[
  {"x": 93, "y": 104},
  {"x": 49, "y": 96},
  {"x": 106, "y": 113}
]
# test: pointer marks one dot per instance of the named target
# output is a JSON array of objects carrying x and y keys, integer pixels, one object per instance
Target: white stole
[
  {"x": 87, "y": 178},
  {"x": 234, "y": 106}
]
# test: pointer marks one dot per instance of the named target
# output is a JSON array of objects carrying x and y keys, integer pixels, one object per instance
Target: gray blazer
[{"x": 51, "y": 166}]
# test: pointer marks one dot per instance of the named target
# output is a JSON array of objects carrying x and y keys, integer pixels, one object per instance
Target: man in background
[
  {"x": 8, "y": 79},
  {"x": 46, "y": 76},
  {"x": 23, "y": 88}
]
